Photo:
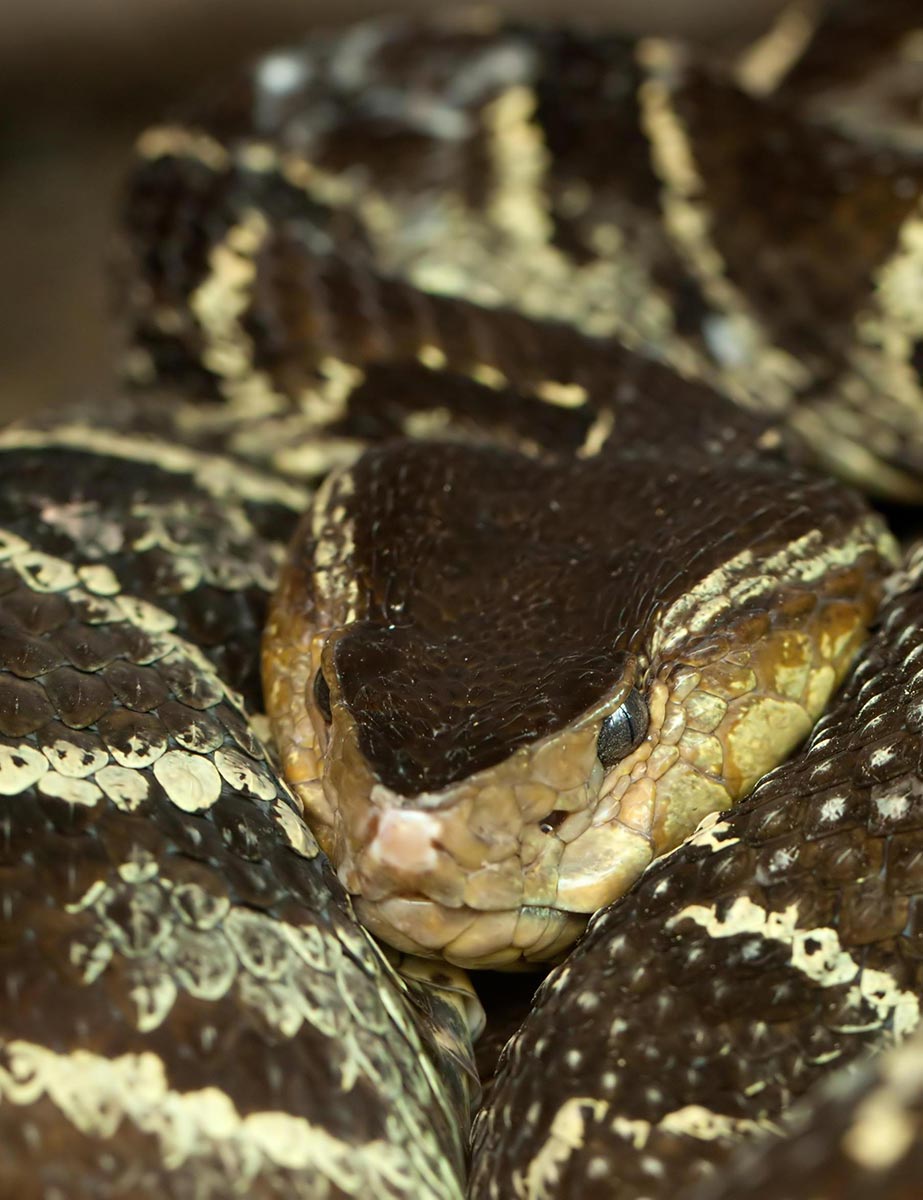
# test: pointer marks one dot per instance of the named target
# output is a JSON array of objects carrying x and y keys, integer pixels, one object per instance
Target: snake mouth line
[{"x": 469, "y": 937}]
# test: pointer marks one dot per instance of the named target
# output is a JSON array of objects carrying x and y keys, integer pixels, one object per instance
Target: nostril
[{"x": 553, "y": 821}]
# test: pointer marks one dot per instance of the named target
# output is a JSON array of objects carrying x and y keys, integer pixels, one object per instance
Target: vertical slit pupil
[{"x": 322, "y": 696}]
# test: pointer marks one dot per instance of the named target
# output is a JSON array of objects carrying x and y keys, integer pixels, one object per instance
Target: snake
[{"x": 514, "y": 386}]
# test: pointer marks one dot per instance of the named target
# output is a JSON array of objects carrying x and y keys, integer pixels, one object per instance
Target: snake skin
[
  {"x": 785, "y": 929},
  {"x": 325, "y": 253},
  {"x": 312, "y": 221},
  {"x": 860, "y": 1136},
  {"x": 185, "y": 988}
]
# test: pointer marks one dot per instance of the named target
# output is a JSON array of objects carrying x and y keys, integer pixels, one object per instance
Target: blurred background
[{"x": 79, "y": 80}]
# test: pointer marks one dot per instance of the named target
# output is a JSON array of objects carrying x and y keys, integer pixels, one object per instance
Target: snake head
[{"x": 502, "y": 686}]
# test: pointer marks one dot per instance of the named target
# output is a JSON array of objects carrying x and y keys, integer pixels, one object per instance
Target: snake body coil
[{"x": 544, "y": 271}]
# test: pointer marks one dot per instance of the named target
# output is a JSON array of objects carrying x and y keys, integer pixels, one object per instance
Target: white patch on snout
[{"x": 404, "y": 841}]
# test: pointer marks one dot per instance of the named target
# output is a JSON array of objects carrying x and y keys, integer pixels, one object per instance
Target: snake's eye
[
  {"x": 322, "y": 696},
  {"x": 623, "y": 730}
]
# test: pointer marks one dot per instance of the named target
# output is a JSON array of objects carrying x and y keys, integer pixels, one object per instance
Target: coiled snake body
[{"x": 326, "y": 254}]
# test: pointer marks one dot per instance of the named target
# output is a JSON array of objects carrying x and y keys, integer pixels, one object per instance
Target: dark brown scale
[
  {"x": 138, "y": 688},
  {"x": 837, "y": 834},
  {"x": 23, "y": 708},
  {"x": 79, "y": 699}
]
